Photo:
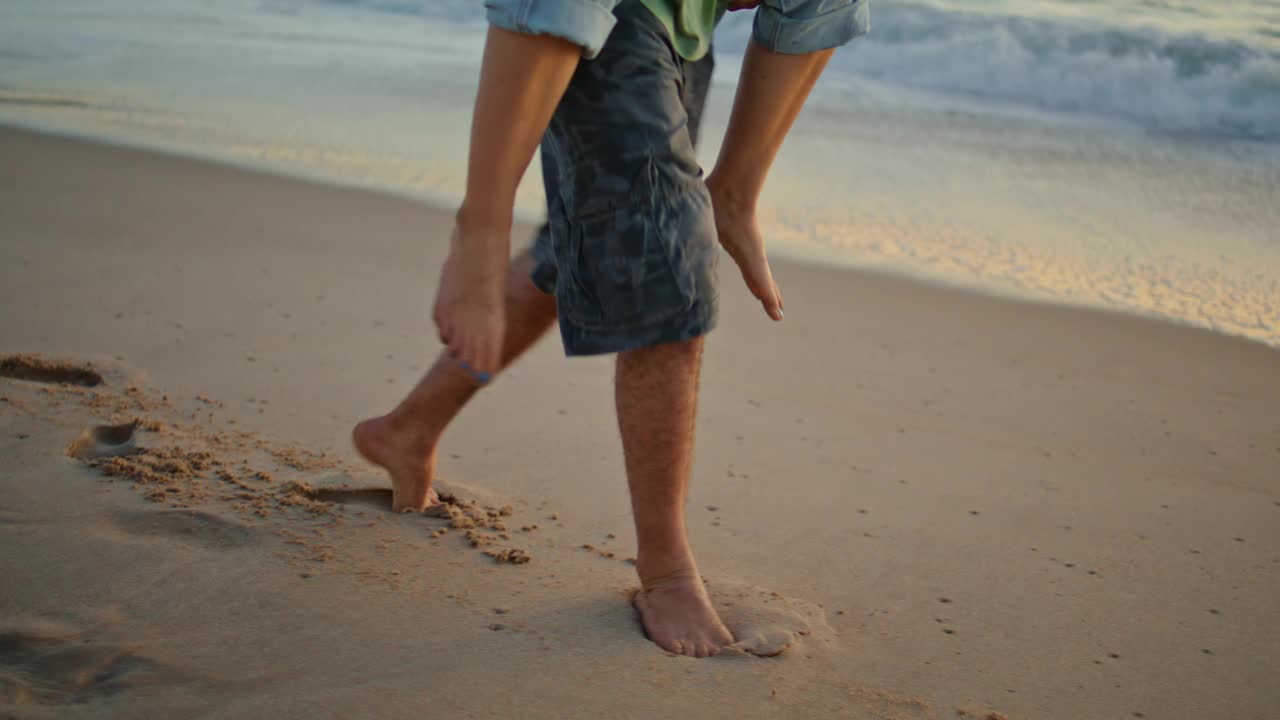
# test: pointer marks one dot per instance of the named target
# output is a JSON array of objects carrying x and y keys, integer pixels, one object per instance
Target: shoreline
[
  {"x": 806, "y": 258},
  {"x": 935, "y": 500}
]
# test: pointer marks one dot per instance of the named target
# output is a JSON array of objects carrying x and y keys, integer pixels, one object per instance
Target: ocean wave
[
  {"x": 1163, "y": 81},
  {"x": 1186, "y": 83}
]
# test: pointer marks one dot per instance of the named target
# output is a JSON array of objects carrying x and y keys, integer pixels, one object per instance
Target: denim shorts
[{"x": 629, "y": 247}]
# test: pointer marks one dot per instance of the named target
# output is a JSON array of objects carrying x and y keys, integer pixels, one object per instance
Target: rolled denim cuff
[
  {"x": 582, "y": 22},
  {"x": 797, "y": 33}
]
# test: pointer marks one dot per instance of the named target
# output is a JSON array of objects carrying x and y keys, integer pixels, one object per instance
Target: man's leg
[
  {"x": 657, "y": 396},
  {"x": 404, "y": 440},
  {"x": 635, "y": 253}
]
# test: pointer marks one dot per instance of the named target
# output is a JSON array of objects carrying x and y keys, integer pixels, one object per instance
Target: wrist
[
  {"x": 483, "y": 222},
  {"x": 728, "y": 195}
]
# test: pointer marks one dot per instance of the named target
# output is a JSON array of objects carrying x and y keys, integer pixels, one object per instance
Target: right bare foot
[
  {"x": 406, "y": 455},
  {"x": 469, "y": 310},
  {"x": 677, "y": 615}
]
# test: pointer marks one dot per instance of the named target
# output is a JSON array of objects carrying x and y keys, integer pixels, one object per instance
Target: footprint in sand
[
  {"x": 766, "y": 623},
  {"x": 379, "y": 498},
  {"x": 36, "y": 368},
  {"x": 376, "y": 498},
  {"x": 53, "y": 666},
  {"x": 100, "y": 441},
  {"x": 189, "y": 526},
  {"x": 484, "y": 525}
]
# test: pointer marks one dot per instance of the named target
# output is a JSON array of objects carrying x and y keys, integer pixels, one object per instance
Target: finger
[
  {"x": 499, "y": 348},
  {"x": 480, "y": 363},
  {"x": 441, "y": 319},
  {"x": 489, "y": 362},
  {"x": 456, "y": 346},
  {"x": 479, "y": 369},
  {"x": 771, "y": 300},
  {"x": 469, "y": 354},
  {"x": 470, "y": 370},
  {"x": 492, "y": 355},
  {"x": 763, "y": 287},
  {"x": 771, "y": 307},
  {"x": 438, "y": 320}
]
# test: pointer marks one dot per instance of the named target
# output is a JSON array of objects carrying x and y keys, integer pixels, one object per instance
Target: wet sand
[{"x": 919, "y": 502}]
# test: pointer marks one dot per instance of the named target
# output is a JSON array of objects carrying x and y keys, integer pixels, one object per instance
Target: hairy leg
[
  {"x": 657, "y": 393},
  {"x": 404, "y": 440}
]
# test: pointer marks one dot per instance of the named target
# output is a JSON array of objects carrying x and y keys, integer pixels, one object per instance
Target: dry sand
[{"x": 934, "y": 504}]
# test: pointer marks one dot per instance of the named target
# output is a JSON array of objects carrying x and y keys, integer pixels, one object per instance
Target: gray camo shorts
[{"x": 629, "y": 247}]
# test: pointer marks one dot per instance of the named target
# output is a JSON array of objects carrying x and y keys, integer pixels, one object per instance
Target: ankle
[
  {"x": 665, "y": 568},
  {"x": 418, "y": 436}
]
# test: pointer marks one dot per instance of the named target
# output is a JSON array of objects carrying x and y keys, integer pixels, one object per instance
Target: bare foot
[
  {"x": 739, "y": 234},
  {"x": 408, "y": 457},
  {"x": 677, "y": 615},
  {"x": 469, "y": 310}
]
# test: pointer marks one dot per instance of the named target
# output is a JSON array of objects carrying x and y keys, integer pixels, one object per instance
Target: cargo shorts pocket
[
  {"x": 627, "y": 261},
  {"x": 622, "y": 274}
]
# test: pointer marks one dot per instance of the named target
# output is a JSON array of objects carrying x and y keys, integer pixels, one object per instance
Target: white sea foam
[{"x": 1159, "y": 79}]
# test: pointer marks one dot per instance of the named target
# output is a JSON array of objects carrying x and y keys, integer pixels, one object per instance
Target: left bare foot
[{"x": 408, "y": 456}]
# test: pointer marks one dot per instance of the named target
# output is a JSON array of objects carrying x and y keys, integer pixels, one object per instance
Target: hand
[
  {"x": 469, "y": 312},
  {"x": 739, "y": 234}
]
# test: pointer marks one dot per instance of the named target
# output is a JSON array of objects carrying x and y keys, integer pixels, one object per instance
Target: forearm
[
  {"x": 521, "y": 81},
  {"x": 771, "y": 90}
]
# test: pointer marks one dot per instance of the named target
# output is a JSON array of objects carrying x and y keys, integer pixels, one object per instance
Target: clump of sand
[
  {"x": 38, "y": 368},
  {"x": 483, "y": 525},
  {"x": 300, "y": 494},
  {"x": 193, "y": 459},
  {"x": 300, "y": 459},
  {"x": 463, "y": 514},
  {"x": 163, "y": 474},
  {"x": 514, "y": 556}
]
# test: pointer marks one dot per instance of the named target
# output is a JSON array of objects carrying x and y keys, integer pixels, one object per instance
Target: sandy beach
[{"x": 919, "y": 502}]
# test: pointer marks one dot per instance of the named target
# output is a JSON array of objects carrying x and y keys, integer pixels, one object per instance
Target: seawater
[{"x": 1121, "y": 154}]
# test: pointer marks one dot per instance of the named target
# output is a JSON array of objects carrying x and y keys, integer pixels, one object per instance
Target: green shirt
[{"x": 690, "y": 23}]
